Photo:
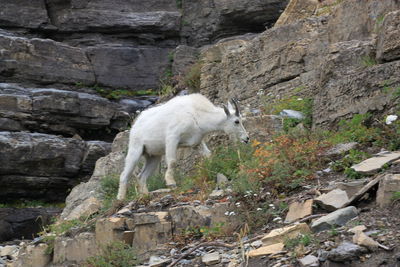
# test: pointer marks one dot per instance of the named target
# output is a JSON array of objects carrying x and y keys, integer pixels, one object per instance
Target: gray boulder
[
  {"x": 43, "y": 61},
  {"x": 208, "y": 21},
  {"x": 388, "y": 46},
  {"x": 346, "y": 251},
  {"x": 337, "y": 218},
  {"x": 129, "y": 66},
  {"x": 25, "y": 222},
  {"x": 60, "y": 112},
  {"x": 43, "y": 166},
  {"x": 116, "y": 16},
  {"x": 31, "y": 14}
]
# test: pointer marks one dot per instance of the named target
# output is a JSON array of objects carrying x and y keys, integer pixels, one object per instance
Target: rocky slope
[{"x": 343, "y": 54}]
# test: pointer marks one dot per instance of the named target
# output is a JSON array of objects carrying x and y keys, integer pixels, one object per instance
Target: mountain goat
[{"x": 181, "y": 122}]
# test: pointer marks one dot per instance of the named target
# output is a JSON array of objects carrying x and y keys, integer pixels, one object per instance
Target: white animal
[{"x": 181, "y": 122}]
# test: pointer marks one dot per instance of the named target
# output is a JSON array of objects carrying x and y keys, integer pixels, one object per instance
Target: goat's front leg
[
  {"x": 204, "y": 149},
  {"x": 170, "y": 157}
]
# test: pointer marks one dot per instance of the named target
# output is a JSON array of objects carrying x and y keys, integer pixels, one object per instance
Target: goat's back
[{"x": 158, "y": 118}]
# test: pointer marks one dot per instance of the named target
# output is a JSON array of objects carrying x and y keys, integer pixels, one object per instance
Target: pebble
[
  {"x": 322, "y": 255},
  {"x": 211, "y": 258},
  {"x": 185, "y": 262},
  {"x": 257, "y": 244},
  {"x": 196, "y": 203},
  {"x": 173, "y": 251}
]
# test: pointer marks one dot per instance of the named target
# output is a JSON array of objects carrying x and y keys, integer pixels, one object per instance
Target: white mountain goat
[{"x": 181, "y": 122}]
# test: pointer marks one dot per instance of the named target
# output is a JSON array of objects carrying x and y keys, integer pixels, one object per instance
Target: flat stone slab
[
  {"x": 352, "y": 187},
  {"x": 335, "y": 199},
  {"x": 281, "y": 234},
  {"x": 211, "y": 258},
  {"x": 309, "y": 261},
  {"x": 337, "y": 218},
  {"x": 358, "y": 228},
  {"x": 375, "y": 163},
  {"x": 266, "y": 250},
  {"x": 298, "y": 210},
  {"x": 362, "y": 239}
]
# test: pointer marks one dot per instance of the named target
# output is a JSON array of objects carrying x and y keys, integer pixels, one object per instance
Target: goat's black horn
[{"x": 235, "y": 103}]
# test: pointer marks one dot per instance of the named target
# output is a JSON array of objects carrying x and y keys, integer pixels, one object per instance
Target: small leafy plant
[
  {"x": 203, "y": 232},
  {"x": 61, "y": 228},
  {"x": 192, "y": 78},
  {"x": 109, "y": 189},
  {"x": 287, "y": 161},
  {"x": 114, "y": 254},
  {"x": 353, "y": 157},
  {"x": 297, "y": 103},
  {"x": 368, "y": 61},
  {"x": 301, "y": 239}
]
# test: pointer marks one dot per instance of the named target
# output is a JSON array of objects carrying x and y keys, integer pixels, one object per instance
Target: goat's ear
[
  {"x": 231, "y": 108},
  {"x": 226, "y": 110}
]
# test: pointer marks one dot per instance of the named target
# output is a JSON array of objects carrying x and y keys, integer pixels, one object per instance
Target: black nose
[{"x": 247, "y": 140}]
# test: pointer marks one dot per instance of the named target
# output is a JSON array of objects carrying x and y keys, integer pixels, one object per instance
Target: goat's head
[{"x": 233, "y": 125}]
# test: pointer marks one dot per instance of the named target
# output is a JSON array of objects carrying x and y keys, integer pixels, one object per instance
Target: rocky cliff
[{"x": 340, "y": 53}]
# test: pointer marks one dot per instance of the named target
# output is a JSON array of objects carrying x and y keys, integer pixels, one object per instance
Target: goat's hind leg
[
  {"x": 170, "y": 157},
  {"x": 131, "y": 160},
  {"x": 151, "y": 165}
]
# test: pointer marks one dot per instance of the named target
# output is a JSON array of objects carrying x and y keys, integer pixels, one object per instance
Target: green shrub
[
  {"x": 204, "y": 232},
  {"x": 396, "y": 195},
  {"x": 353, "y": 157},
  {"x": 356, "y": 130},
  {"x": 115, "y": 94},
  {"x": 352, "y": 174},
  {"x": 368, "y": 61},
  {"x": 179, "y": 4},
  {"x": 301, "y": 239},
  {"x": 115, "y": 254},
  {"x": 228, "y": 160},
  {"x": 287, "y": 161},
  {"x": 61, "y": 228},
  {"x": 303, "y": 105},
  {"x": 156, "y": 182},
  {"x": 192, "y": 78},
  {"x": 109, "y": 189}
]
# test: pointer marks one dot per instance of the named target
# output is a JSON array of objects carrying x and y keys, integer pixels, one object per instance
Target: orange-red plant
[{"x": 286, "y": 161}]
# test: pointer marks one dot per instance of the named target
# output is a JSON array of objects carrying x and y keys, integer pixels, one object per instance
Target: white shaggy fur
[{"x": 181, "y": 122}]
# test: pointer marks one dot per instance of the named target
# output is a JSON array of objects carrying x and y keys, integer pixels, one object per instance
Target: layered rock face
[
  {"x": 55, "y": 56},
  {"x": 342, "y": 55},
  {"x": 115, "y": 43}
]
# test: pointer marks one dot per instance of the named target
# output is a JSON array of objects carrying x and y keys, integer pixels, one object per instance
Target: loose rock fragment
[
  {"x": 333, "y": 200},
  {"x": 336, "y": 218},
  {"x": 298, "y": 210}
]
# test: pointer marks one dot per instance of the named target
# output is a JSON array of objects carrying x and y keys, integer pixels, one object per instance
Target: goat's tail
[{"x": 131, "y": 160}]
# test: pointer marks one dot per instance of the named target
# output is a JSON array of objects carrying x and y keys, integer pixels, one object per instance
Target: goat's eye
[{"x": 236, "y": 122}]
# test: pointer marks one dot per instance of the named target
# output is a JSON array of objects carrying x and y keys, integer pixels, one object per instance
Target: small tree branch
[{"x": 311, "y": 217}]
